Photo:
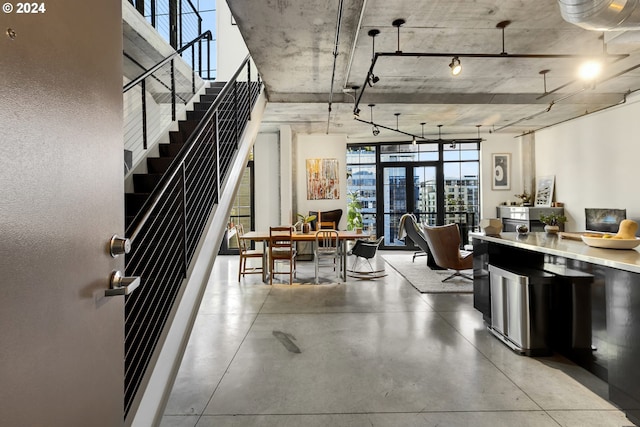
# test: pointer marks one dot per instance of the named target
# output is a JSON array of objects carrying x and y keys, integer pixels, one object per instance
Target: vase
[
  {"x": 306, "y": 228},
  {"x": 551, "y": 229}
]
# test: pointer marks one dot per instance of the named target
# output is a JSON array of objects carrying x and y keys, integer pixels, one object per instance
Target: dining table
[{"x": 343, "y": 237}]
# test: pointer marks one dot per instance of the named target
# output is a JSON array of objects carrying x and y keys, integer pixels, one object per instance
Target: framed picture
[
  {"x": 544, "y": 190},
  {"x": 501, "y": 171},
  {"x": 323, "y": 181}
]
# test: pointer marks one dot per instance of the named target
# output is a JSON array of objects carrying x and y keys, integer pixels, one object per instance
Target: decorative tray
[{"x": 608, "y": 243}]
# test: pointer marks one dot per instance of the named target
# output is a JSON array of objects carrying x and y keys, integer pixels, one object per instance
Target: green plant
[
  {"x": 306, "y": 218},
  {"x": 553, "y": 219},
  {"x": 354, "y": 211}
]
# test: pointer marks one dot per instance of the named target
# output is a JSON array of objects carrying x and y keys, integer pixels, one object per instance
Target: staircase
[
  {"x": 168, "y": 211},
  {"x": 145, "y": 183}
]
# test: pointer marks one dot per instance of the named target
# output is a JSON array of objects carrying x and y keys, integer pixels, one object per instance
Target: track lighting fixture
[
  {"x": 454, "y": 143},
  {"x": 356, "y": 110},
  {"x": 373, "y": 33},
  {"x": 398, "y": 23},
  {"x": 455, "y": 66},
  {"x": 372, "y": 80},
  {"x": 375, "y": 130}
]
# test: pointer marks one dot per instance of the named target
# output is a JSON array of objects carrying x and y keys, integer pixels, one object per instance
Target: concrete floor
[{"x": 365, "y": 353}]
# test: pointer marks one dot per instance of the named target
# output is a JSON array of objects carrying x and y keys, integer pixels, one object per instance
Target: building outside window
[{"x": 437, "y": 182}]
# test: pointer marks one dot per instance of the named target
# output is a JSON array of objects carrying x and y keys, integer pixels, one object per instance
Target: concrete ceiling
[{"x": 292, "y": 43}]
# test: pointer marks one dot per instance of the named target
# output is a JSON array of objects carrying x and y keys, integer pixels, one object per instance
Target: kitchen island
[{"x": 588, "y": 308}]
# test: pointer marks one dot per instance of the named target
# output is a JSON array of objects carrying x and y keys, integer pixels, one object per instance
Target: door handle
[{"x": 121, "y": 285}]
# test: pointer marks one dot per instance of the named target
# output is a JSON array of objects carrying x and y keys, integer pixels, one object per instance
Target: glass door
[
  {"x": 408, "y": 189},
  {"x": 394, "y": 195},
  {"x": 425, "y": 194}
]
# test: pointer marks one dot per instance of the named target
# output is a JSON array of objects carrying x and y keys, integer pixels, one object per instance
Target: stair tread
[
  {"x": 145, "y": 183},
  {"x": 159, "y": 164}
]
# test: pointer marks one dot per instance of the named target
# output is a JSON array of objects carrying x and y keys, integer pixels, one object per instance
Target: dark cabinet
[{"x": 593, "y": 309}]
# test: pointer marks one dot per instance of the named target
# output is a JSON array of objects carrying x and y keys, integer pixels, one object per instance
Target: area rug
[{"x": 424, "y": 279}]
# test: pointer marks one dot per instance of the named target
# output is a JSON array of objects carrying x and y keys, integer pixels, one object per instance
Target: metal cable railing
[
  {"x": 162, "y": 13},
  {"x": 187, "y": 24},
  {"x": 153, "y": 99},
  {"x": 165, "y": 234}
]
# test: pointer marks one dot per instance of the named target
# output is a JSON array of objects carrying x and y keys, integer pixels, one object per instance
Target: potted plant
[
  {"x": 354, "y": 212},
  {"x": 306, "y": 222},
  {"x": 552, "y": 222}
]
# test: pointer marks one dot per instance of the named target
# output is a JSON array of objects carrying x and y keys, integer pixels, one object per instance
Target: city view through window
[{"x": 437, "y": 182}]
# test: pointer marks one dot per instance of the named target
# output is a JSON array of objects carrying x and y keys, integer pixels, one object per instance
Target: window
[
  {"x": 361, "y": 179},
  {"x": 436, "y": 181}
]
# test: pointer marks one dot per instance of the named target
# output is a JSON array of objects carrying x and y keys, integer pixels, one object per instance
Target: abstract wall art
[{"x": 323, "y": 180}]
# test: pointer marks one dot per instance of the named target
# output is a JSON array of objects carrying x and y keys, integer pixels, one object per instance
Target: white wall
[
  {"x": 266, "y": 154},
  {"x": 269, "y": 178},
  {"x": 231, "y": 46},
  {"x": 320, "y": 146},
  {"x": 594, "y": 160},
  {"x": 281, "y": 181},
  {"x": 490, "y": 199}
]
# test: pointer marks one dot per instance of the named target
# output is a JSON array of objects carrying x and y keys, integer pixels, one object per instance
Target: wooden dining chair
[
  {"x": 327, "y": 248},
  {"x": 330, "y": 225},
  {"x": 281, "y": 249},
  {"x": 246, "y": 253}
]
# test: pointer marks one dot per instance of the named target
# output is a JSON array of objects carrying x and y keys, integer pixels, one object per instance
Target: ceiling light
[
  {"x": 455, "y": 66},
  {"x": 375, "y": 130},
  {"x": 590, "y": 70},
  {"x": 373, "y": 80}
]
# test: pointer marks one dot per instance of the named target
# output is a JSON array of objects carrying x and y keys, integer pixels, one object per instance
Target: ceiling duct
[{"x": 602, "y": 15}]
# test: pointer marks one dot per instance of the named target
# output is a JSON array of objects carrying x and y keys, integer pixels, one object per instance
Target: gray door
[{"x": 61, "y": 199}]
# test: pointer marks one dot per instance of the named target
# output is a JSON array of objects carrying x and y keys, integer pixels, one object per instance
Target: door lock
[
  {"x": 119, "y": 245},
  {"x": 121, "y": 285}
]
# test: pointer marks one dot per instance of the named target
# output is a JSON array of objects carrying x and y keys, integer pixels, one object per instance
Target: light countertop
[{"x": 622, "y": 259}]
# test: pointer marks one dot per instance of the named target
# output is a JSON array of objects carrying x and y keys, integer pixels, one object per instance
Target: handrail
[
  {"x": 169, "y": 226},
  {"x": 227, "y": 86},
  {"x": 207, "y": 34},
  {"x": 130, "y": 58},
  {"x": 195, "y": 10},
  {"x": 168, "y": 177}
]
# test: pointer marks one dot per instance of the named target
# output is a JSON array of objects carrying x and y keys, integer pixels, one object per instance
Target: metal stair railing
[
  {"x": 165, "y": 234},
  {"x": 175, "y": 20},
  {"x": 164, "y": 78}
]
